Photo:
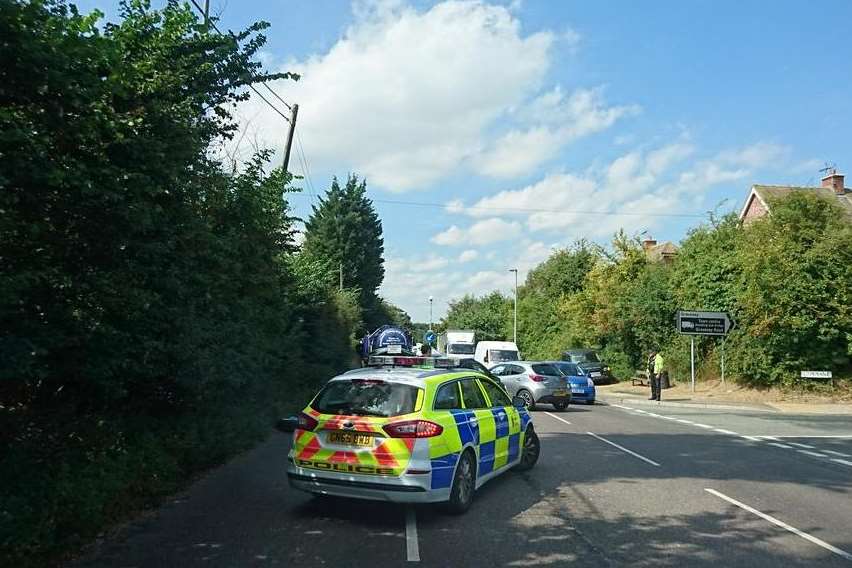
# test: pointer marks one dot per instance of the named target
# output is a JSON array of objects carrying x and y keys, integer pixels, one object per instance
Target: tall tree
[{"x": 345, "y": 230}]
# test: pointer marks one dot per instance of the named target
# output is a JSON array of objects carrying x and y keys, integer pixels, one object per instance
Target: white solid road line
[
  {"x": 623, "y": 449},
  {"x": 558, "y": 418},
  {"x": 781, "y": 524},
  {"x": 412, "y": 547},
  {"x": 810, "y": 453},
  {"x": 841, "y": 454}
]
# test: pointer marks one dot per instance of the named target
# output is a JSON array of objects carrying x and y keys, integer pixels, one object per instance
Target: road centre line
[
  {"x": 412, "y": 547},
  {"x": 558, "y": 418},
  {"x": 781, "y": 524},
  {"x": 623, "y": 449}
]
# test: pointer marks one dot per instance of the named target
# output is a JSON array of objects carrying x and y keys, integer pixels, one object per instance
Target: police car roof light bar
[{"x": 408, "y": 361}]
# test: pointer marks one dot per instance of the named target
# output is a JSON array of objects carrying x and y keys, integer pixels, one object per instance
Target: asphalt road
[{"x": 615, "y": 486}]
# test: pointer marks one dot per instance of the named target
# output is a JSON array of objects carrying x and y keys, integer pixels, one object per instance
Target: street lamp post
[
  {"x": 515, "y": 322},
  {"x": 430, "y": 312}
]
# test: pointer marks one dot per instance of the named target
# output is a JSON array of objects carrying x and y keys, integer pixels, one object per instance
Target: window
[
  {"x": 570, "y": 369},
  {"x": 545, "y": 369},
  {"x": 497, "y": 355},
  {"x": 472, "y": 395},
  {"x": 461, "y": 349},
  {"x": 497, "y": 395},
  {"x": 499, "y": 370},
  {"x": 366, "y": 397},
  {"x": 447, "y": 397},
  {"x": 513, "y": 370}
]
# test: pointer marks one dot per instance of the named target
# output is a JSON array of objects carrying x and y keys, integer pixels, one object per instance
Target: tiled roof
[{"x": 768, "y": 193}]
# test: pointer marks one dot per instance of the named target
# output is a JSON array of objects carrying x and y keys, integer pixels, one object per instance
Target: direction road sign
[
  {"x": 703, "y": 323},
  {"x": 429, "y": 337}
]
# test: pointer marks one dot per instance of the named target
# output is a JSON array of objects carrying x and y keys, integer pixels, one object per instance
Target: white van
[
  {"x": 457, "y": 343},
  {"x": 489, "y": 353}
]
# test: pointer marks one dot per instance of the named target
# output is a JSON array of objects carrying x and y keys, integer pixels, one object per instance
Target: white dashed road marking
[
  {"x": 807, "y": 447},
  {"x": 780, "y": 445},
  {"x": 558, "y": 418},
  {"x": 844, "y": 462},
  {"x": 623, "y": 449},
  {"x": 782, "y": 524},
  {"x": 841, "y": 454}
]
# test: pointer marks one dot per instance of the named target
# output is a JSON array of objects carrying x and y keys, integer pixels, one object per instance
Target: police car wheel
[
  {"x": 464, "y": 484},
  {"x": 531, "y": 451},
  {"x": 529, "y": 401}
]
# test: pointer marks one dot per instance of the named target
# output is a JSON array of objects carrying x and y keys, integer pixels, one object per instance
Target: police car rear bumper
[{"x": 414, "y": 488}]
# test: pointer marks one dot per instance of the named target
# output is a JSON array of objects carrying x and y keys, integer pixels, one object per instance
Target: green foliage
[
  {"x": 489, "y": 316},
  {"x": 345, "y": 229},
  {"x": 795, "y": 297},
  {"x": 154, "y": 316},
  {"x": 543, "y": 330}
]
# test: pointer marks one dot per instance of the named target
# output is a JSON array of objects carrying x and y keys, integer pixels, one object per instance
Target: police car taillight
[
  {"x": 413, "y": 429},
  {"x": 307, "y": 422}
]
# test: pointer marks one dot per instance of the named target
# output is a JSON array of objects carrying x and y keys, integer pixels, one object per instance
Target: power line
[
  {"x": 252, "y": 87},
  {"x": 529, "y": 210},
  {"x": 303, "y": 158}
]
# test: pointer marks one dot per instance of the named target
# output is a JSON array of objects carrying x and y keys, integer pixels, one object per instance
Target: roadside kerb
[{"x": 614, "y": 397}]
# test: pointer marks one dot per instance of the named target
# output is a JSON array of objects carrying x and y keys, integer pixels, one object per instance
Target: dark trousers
[{"x": 655, "y": 385}]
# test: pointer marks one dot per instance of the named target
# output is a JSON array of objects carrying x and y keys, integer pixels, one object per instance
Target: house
[
  {"x": 663, "y": 252},
  {"x": 759, "y": 198}
]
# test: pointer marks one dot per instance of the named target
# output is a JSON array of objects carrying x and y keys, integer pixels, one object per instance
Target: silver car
[{"x": 535, "y": 382}]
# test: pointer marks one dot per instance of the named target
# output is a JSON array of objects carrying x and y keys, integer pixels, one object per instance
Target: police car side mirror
[
  {"x": 518, "y": 402},
  {"x": 287, "y": 425}
]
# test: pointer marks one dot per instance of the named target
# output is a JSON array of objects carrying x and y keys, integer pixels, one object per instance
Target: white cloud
[
  {"x": 556, "y": 120},
  {"x": 405, "y": 96},
  {"x": 468, "y": 255},
  {"x": 635, "y": 191},
  {"x": 455, "y": 206},
  {"x": 482, "y": 232}
]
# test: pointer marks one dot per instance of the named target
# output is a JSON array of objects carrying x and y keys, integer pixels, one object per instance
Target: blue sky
[{"x": 536, "y": 123}]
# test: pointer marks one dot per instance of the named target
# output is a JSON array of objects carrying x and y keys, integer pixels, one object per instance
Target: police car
[{"x": 409, "y": 429}]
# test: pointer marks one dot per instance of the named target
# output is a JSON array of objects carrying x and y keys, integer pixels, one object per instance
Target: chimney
[
  {"x": 648, "y": 243},
  {"x": 834, "y": 181}
]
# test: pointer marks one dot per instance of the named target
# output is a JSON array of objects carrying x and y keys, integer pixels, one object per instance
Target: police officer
[{"x": 653, "y": 378}]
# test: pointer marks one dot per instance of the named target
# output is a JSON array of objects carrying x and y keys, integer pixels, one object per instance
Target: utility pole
[
  {"x": 207, "y": 15},
  {"x": 515, "y": 324},
  {"x": 293, "y": 115}
]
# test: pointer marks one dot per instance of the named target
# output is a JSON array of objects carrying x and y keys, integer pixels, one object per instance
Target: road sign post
[{"x": 703, "y": 323}]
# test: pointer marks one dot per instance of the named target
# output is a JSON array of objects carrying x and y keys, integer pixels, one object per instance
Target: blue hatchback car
[{"x": 582, "y": 386}]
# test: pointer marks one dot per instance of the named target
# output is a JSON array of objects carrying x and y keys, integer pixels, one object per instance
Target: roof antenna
[{"x": 829, "y": 170}]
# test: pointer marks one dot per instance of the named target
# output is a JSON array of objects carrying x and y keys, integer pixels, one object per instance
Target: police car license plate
[{"x": 350, "y": 438}]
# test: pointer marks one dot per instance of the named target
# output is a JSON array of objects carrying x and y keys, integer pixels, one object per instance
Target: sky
[{"x": 491, "y": 133}]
